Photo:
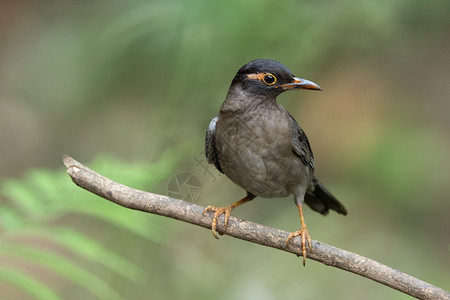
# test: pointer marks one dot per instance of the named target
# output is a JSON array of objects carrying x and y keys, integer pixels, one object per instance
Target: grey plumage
[
  {"x": 317, "y": 197},
  {"x": 301, "y": 145},
  {"x": 260, "y": 147}
]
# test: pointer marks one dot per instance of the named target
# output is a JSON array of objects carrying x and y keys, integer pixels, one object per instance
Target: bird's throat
[{"x": 238, "y": 101}]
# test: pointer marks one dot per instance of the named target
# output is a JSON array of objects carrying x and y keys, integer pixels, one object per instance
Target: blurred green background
[{"x": 129, "y": 88}]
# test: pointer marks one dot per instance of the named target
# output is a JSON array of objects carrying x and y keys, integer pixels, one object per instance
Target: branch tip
[{"x": 249, "y": 231}]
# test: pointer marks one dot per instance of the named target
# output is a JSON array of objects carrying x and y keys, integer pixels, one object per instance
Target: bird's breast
[{"x": 255, "y": 152}]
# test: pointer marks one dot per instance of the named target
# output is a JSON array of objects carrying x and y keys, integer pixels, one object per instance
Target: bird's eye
[{"x": 269, "y": 79}]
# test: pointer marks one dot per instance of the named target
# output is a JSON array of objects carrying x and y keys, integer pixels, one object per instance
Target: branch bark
[{"x": 248, "y": 231}]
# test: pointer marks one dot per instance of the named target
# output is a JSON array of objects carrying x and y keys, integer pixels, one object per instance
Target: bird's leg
[
  {"x": 303, "y": 232},
  {"x": 225, "y": 210}
]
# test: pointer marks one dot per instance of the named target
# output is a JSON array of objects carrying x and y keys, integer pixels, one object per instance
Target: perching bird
[{"x": 257, "y": 143}]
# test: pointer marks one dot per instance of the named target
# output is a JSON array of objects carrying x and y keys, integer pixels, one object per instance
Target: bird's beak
[{"x": 300, "y": 83}]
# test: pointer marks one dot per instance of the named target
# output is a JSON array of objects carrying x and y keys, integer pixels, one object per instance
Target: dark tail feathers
[{"x": 321, "y": 200}]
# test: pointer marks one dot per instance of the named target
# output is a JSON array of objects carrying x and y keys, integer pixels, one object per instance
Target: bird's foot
[
  {"x": 305, "y": 237},
  {"x": 217, "y": 212}
]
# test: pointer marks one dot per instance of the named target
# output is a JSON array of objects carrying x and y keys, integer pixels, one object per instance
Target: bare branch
[{"x": 248, "y": 231}]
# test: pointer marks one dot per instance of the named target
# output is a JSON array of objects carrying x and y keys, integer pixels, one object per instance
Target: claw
[
  {"x": 225, "y": 210},
  {"x": 303, "y": 232},
  {"x": 217, "y": 212}
]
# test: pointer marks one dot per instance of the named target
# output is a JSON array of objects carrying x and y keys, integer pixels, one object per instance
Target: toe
[
  {"x": 217, "y": 212},
  {"x": 305, "y": 238}
]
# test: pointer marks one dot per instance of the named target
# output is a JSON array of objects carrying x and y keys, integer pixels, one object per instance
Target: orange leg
[
  {"x": 225, "y": 210},
  {"x": 303, "y": 232}
]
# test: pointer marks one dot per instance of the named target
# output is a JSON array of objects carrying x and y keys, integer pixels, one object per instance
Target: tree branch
[{"x": 248, "y": 231}]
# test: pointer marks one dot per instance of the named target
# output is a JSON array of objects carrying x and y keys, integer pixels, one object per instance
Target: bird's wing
[
  {"x": 210, "y": 145},
  {"x": 301, "y": 144}
]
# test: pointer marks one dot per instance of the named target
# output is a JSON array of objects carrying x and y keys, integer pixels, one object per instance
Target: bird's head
[{"x": 268, "y": 78}]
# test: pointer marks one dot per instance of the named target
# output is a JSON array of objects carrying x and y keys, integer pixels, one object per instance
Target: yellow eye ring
[{"x": 269, "y": 79}]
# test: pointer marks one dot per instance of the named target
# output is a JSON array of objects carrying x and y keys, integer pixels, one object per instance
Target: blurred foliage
[
  {"x": 140, "y": 78},
  {"x": 34, "y": 231}
]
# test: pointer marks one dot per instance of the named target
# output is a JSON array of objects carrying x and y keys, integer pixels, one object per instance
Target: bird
[{"x": 260, "y": 147}]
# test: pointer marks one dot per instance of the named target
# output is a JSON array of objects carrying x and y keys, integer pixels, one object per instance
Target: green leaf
[
  {"x": 10, "y": 219},
  {"x": 27, "y": 283},
  {"x": 89, "y": 249},
  {"x": 44, "y": 197},
  {"x": 136, "y": 222},
  {"x": 62, "y": 266},
  {"x": 21, "y": 194}
]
